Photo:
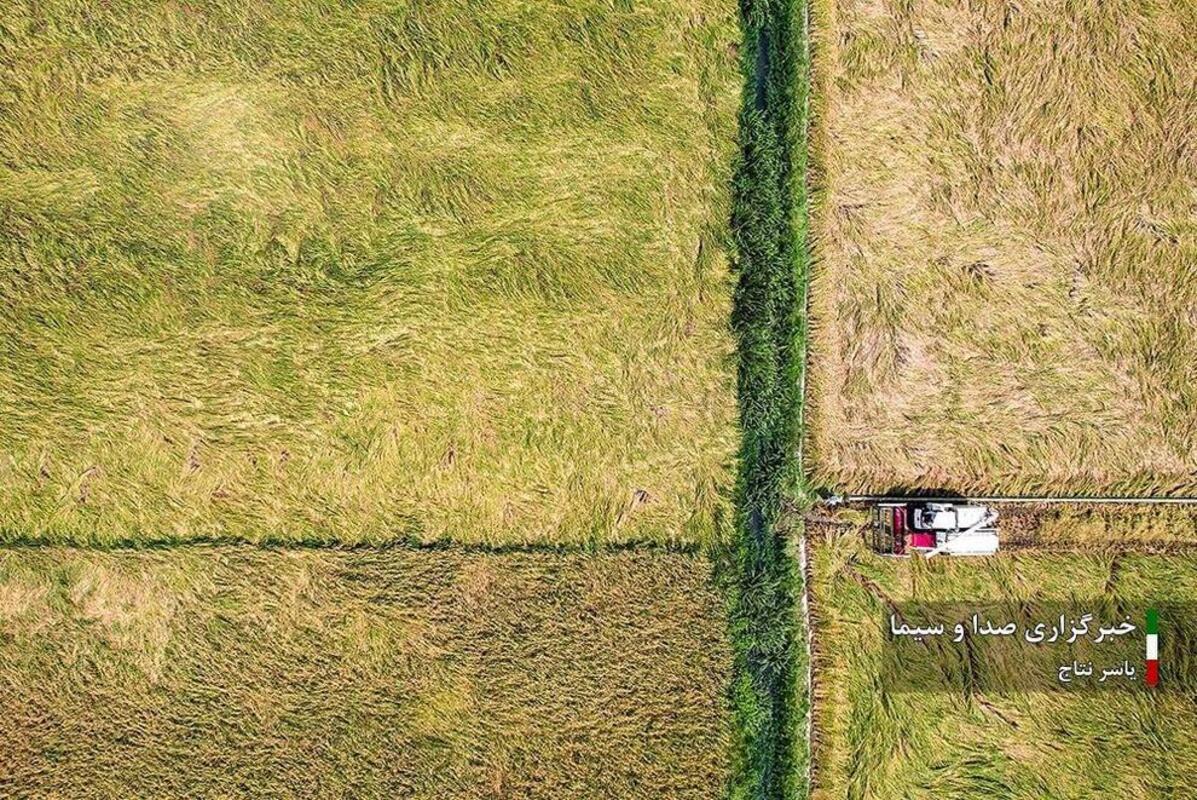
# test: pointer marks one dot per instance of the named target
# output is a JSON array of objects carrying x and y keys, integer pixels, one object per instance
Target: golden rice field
[
  {"x": 234, "y": 671},
  {"x": 871, "y": 741},
  {"x": 1005, "y": 239},
  {"x": 342, "y": 273}
]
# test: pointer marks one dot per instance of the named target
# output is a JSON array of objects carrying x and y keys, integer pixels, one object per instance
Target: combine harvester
[{"x": 931, "y": 528}]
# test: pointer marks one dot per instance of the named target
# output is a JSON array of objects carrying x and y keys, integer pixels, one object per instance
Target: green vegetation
[
  {"x": 1006, "y": 249},
  {"x": 1021, "y": 745},
  {"x": 236, "y": 671},
  {"x": 768, "y": 222},
  {"x": 337, "y": 273}
]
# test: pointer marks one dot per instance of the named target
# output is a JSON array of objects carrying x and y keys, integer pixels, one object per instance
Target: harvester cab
[{"x": 932, "y": 528}]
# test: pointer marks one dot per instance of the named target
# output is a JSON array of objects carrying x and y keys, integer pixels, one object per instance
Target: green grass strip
[{"x": 768, "y": 219}]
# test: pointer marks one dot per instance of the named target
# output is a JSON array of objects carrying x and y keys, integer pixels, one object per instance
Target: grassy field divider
[
  {"x": 768, "y": 221},
  {"x": 17, "y": 540}
]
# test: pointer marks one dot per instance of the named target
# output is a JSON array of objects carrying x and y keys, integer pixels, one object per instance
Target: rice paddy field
[
  {"x": 368, "y": 410},
  {"x": 234, "y": 671},
  {"x": 871, "y": 742},
  {"x": 360, "y": 272},
  {"x": 1005, "y": 238}
]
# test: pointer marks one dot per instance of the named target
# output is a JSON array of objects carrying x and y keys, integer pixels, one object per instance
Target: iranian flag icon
[{"x": 1153, "y": 647}]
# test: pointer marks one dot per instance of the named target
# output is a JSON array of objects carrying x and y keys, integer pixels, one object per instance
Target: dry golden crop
[
  {"x": 874, "y": 741},
  {"x": 234, "y": 671},
  {"x": 356, "y": 272},
  {"x": 1004, "y": 294}
]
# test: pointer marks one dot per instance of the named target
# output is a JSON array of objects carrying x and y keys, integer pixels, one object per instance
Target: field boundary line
[
  {"x": 808, "y": 621},
  {"x": 804, "y": 243},
  {"x": 403, "y": 544}
]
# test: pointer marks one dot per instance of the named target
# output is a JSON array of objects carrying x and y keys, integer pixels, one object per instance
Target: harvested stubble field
[
  {"x": 232, "y": 671},
  {"x": 1005, "y": 289},
  {"x": 1093, "y": 528},
  {"x": 1021, "y": 745},
  {"x": 354, "y": 272}
]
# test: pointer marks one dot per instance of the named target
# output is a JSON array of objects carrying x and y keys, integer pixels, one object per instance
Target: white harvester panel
[
  {"x": 932, "y": 528},
  {"x": 960, "y": 530}
]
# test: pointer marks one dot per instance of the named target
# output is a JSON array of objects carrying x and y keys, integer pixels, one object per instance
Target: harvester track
[{"x": 1147, "y": 548}]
